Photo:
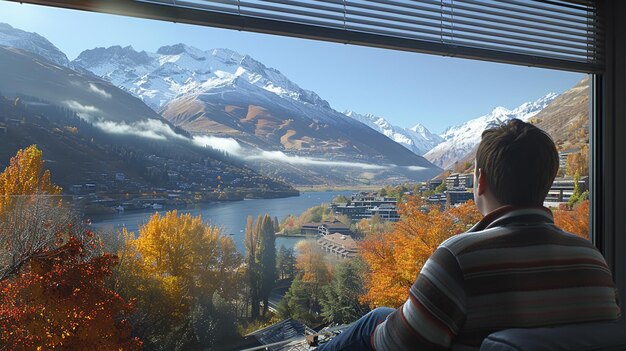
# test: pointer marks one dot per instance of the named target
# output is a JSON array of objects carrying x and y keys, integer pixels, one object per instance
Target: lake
[{"x": 230, "y": 216}]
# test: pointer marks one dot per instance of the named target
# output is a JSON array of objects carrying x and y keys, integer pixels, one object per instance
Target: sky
[{"x": 405, "y": 88}]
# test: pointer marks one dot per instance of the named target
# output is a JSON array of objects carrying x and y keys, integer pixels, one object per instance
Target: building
[
  {"x": 386, "y": 212},
  {"x": 434, "y": 183},
  {"x": 334, "y": 226},
  {"x": 466, "y": 180},
  {"x": 437, "y": 199},
  {"x": 324, "y": 228},
  {"x": 360, "y": 206},
  {"x": 563, "y": 188},
  {"x": 339, "y": 244},
  {"x": 458, "y": 196},
  {"x": 452, "y": 181},
  {"x": 563, "y": 157},
  {"x": 280, "y": 336}
]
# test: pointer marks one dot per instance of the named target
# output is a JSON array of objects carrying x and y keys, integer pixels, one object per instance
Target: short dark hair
[{"x": 519, "y": 162}]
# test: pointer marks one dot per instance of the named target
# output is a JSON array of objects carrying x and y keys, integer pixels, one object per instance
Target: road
[{"x": 277, "y": 294}]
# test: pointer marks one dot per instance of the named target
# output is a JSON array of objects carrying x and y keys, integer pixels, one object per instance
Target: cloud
[
  {"x": 228, "y": 145},
  {"x": 308, "y": 161},
  {"x": 152, "y": 129},
  {"x": 103, "y": 93},
  {"x": 234, "y": 148},
  {"x": 416, "y": 168},
  {"x": 80, "y": 108}
]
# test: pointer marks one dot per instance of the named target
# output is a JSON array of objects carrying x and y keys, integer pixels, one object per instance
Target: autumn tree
[
  {"x": 578, "y": 162},
  {"x": 302, "y": 300},
  {"x": 395, "y": 258},
  {"x": 24, "y": 176},
  {"x": 182, "y": 263},
  {"x": 575, "y": 221},
  {"x": 30, "y": 212},
  {"x": 61, "y": 302}
]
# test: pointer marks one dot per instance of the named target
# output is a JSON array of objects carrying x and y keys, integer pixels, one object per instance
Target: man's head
[{"x": 516, "y": 163}]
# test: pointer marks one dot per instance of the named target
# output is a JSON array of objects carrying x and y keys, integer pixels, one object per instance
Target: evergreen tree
[
  {"x": 252, "y": 272},
  {"x": 285, "y": 262},
  {"x": 340, "y": 302},
  {"x": 266, "y": 258},
  {"x": 297, "y": 303}
]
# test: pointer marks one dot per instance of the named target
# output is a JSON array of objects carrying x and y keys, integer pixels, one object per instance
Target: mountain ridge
[
  {"x": 418, "y": 138},
  {"x": 462, "y": 138}
]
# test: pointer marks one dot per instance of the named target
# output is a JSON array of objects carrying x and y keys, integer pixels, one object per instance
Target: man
[{"x": 514, "y": 268}]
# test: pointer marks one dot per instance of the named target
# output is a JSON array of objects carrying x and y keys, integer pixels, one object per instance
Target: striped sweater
[{"x": 514, "y": 268}]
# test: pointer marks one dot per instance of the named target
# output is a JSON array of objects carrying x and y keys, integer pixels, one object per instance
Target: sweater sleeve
[{"x": 434, "y": 312}]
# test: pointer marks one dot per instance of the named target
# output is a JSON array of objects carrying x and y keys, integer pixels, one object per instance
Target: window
[{"x": 103, "y": 117}]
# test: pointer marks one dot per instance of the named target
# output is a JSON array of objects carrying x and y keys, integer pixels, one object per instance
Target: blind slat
[{"x": 560, "y": 30}]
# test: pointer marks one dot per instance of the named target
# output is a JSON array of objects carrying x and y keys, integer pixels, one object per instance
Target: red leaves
[{"x": 62, "y": 302}]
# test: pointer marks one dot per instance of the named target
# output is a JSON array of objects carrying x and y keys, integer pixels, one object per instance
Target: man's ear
[{"x": 481, "y": 181}]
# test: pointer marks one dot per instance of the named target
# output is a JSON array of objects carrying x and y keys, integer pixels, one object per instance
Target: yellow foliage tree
[
  {"x": 395, "y": 258},
  {"x": 312, "y": 264},
  {"x": 578, "y": 163},
  {"x": 25, "y": 175},
  {"x": 178, "y": 261}
]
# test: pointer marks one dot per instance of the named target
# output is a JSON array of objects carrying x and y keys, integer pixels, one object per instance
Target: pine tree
[
  {"x": 266, "y": 258},
  {"x": 285, "y": 262},
  {"x": 340, "y": 302},
  {"x": 251, "y": 243}
]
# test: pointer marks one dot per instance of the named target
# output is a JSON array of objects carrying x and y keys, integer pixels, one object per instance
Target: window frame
[{"x": 607, "y": 107}]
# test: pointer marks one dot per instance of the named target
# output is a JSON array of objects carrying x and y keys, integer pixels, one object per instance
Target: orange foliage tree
[
  {"x": 575, "y": 221},
  {"x": 395, "y": 258},
  {"x": 61, "y": 302}
]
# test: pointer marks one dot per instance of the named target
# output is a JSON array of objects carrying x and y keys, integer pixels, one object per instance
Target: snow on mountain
[
  {"x": 418, "y": 139},
  {"x": 461, "y": 139},
  {"x": 179, "y": 70},
  {"x": 31, "y": 42}
]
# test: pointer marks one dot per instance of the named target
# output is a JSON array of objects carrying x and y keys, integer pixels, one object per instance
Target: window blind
[{"x": 562, "y": 34}]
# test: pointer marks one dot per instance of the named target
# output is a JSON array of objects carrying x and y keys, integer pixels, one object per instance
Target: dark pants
[{"x": 357, "y": 336}]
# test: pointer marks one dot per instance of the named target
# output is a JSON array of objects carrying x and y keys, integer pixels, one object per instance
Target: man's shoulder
[
  {"x": 460, "y": 242},
  {"x": 509, "y": 235}
]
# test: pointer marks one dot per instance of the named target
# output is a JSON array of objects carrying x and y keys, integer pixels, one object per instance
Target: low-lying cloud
[
  {"x": 308, "y": 161},
  {"x": 151, "y": 128},
  {"x": 81, "y": 109},
  {"x": 158, "y": 130},
  {"x": 234, "y": 148},
  {"x": 228, "y": 145},
  {"x": 416, "y": 168},
  {"x": 98, "y": 91}
]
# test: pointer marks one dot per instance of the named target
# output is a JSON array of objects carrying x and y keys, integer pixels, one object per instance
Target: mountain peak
[
  {"x": 31, "y": 42},
  {"x": 418, "y": 140},
  {"x": 500, "y": 111},
  {"x": 180, "y": 48},
  {"x": 461, "y": 139},
  {"x": 227, "y": 55}
]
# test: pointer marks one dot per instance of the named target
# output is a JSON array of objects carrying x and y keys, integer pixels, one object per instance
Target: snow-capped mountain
[
  {"x": 461, "y": 139},
  {"x": 417, "y": 139},
  {"x": 225, "y": 94},
  {"x": 179, "y": 70},
  {"x": 31, "y": 42}
]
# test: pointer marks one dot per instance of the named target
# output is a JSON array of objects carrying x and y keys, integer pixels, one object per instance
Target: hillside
[
  {"x": 227, "y": 96},
  {"x": 90, "y": 130}
]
